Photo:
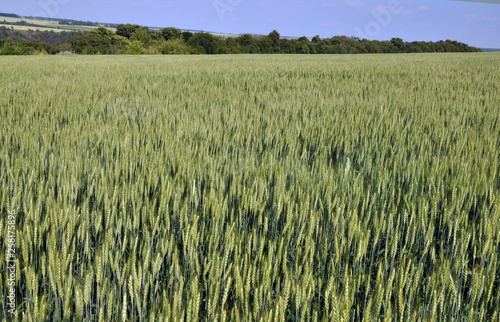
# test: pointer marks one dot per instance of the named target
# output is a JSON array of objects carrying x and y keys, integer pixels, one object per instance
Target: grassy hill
[
  {"x": 17, "y": 22},
  {"x": 45, "y": 24},
  {"x": 490, "y": 49}
]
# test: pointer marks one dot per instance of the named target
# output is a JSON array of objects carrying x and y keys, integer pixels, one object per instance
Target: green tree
[
  {"x": 211, "y": 44},
  {"x": 174, "y": 47},
  {"x": 96, "y": 41},
  {"x": 142, "y": 34},
  {"x": 290, "y": 46},
  {"x": 232, "y": 46},
  {"x": 398, "y": 43},
  {"x": 265, "y": 45},
  {"x": 171, "y": 33},
  {"x": 275, "y": 40},
  {"x": 245, "y": 40},
  {"x": 414, "y": 47},
  {"x": 303, "y": 46},
  {"x": 135, "y": 48},
  {"x": 126, "y": 30},
  {"x": 186, "y": 35}
]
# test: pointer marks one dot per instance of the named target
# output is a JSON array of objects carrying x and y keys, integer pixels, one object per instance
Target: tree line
[
  {"x": 135, "y": 39},
  {"x": 29, "y": 42}
]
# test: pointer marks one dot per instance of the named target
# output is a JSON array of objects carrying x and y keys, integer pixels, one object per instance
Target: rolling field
[
  {"x": 25, "y": 28},
  {"x": 252, "y": 188},
  {"x": 42, "y": 22},
  {"x": 42, "y": 25}
]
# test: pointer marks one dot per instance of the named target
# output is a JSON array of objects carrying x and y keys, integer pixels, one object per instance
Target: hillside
[
  {"x": 490, "y": 49},
  {"x": 16, "y": 22}
]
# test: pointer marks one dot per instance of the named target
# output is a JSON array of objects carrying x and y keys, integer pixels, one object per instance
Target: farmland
[
  {"x": 40, "y": 24},
  {"x": 252, "y": 187}
]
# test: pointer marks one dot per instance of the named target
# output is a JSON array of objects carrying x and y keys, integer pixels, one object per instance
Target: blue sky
[{"x": 474, "y": 23}]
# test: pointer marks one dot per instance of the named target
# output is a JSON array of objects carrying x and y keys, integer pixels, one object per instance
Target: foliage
[
  {"x": 142, "y": 35},
  {"x": 135, "y": 48},
  {"x": 102, "y": 40},
  {"x": 126, "y": 30},
  {"x": 399, "y": 43},
  {"x": 171, "y": 33},
  {"x": 246, "y": 188},
  {"x": 174, "y": 46},
  {"x": 51, "y": 37},
  {"x": 23, "y": 47},
  {"x": 78, "y": 23},
  {"x": 11, "y": 15},
  {"x": 245, "y": 40},
  {"x": 96, "y": 41},
  {"x": 209, "y": 43},
  {"x": 186, "y": 35}
]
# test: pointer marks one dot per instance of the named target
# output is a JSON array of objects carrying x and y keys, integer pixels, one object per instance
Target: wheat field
[{"x": 252, "y": 188}]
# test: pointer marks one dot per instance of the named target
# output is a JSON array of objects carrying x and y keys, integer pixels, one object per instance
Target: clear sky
[{"x": 475, "y": 23}]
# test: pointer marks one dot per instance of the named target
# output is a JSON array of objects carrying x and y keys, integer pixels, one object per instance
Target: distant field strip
[
  {"x": 17, "y": 27},
  {"x": 42, "y": 25},
  {"x": 252, "y": 187}
]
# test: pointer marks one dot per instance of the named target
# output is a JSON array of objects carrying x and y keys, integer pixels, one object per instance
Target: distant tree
[
  {"x": 175, "y": 47},
  {"x": 290, "y": 47},
  {"x": 388, "y": 47},
  {"x": 142, "y": 34},
  {"x": 264, "y": 45},
  {"x": 303, "y": 45},
  {"x": 96, "y": 41},
  {"x": 135, "y": 48},
  {"x": 186, "y": 35},
  {"x": 275, "y": 40},
  {"x": 120, "y": 45},
  {"x": 136, "y": 39},
  {"x": 321, "y": 47},
  {"x": 103, "y": 31},
  {"x": 156, "y": 35},
  {"x": 126, "y": 30},
  {"x": 245, "y": 40},
  {"x": 424, "y": 46},
  {"x": 367, "y": 46},
  {"x": 171, "y": 33},
  {"x": 210, "y": 43},
  {"x": 398, "y": 43},
  {"x": 232, "y": 46},
  {"x": 11, "y": 15},
  {"x": 414, "y": 47}
]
